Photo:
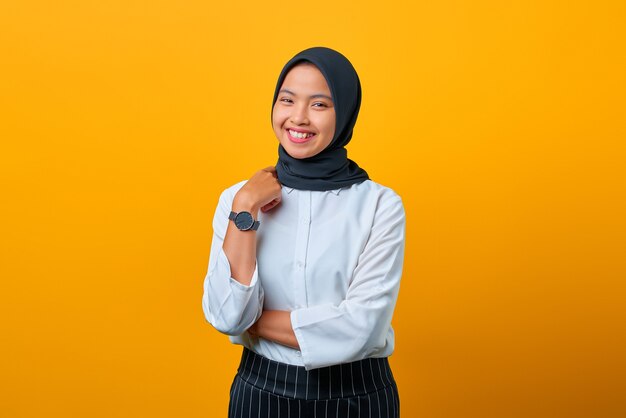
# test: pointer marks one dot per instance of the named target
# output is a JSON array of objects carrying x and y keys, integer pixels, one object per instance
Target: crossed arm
[
  {"x": 272, "y": 325},
  {"x": 359, "y": 325},
  {"x": 275, "y": 326}
]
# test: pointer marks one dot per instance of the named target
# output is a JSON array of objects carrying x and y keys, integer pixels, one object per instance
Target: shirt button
[
  {"x": 300, "y": 264},
  {"x": 298, "y": 353}
]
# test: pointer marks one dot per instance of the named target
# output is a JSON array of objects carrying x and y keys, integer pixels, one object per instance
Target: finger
[
  {"x": 267, "y": 207},
  {"x": 271, "y": 170},
  {"x": 270, "y": 205}
]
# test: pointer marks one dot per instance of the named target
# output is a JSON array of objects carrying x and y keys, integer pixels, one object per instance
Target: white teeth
[{"x": 299, "y": 134}]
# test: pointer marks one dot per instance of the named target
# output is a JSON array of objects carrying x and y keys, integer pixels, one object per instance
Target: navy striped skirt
[{"x": 264, "y": 388}]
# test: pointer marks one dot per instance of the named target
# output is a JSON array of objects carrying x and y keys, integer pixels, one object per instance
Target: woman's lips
[{"x": 299, "y": 140}]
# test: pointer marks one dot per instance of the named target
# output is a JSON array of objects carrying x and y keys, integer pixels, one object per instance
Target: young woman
[{"x": 306, "y": 260}]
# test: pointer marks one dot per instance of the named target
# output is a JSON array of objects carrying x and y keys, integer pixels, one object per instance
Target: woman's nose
[{"x": 299, "y": 115}]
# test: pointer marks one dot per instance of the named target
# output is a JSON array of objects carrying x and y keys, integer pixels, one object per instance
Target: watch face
[{"x": 244, "y": 220}]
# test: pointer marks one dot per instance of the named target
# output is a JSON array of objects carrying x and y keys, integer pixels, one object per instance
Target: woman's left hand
[
  {"x": 253, "y": 330},
  {"x": 275, "y": 326}
]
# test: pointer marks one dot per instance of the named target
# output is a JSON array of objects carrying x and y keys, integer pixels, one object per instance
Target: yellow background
[{"x": 500, "y": 123}]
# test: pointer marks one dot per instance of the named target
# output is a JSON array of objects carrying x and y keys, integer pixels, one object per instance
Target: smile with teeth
[{"x": 300, "y": 135}]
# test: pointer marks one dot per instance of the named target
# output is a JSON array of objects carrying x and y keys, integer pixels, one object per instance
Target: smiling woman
[
  {"x": 304, "y": 116},
  {"x": 312, "y": 303}
]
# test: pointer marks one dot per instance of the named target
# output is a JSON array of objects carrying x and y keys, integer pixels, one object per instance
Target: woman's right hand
[{"x": 261, "y": 191}]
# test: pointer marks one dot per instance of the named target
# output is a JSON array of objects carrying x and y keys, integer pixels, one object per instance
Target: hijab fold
[{"x": 331, "y": 168}]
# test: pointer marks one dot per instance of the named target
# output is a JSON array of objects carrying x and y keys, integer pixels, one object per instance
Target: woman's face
[{"x": 304, "y": 116}]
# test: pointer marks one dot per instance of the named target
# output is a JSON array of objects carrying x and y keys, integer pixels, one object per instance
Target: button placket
[{"x": 302, "y": 240}]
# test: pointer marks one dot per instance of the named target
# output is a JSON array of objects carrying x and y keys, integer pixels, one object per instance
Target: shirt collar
[{"x": 290, "y": 189}]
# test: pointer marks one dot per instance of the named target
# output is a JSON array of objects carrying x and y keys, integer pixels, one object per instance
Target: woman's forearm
[
  {"x": 262, "y": 192},
  {"x": 276, "y": 326},
  {"x": 240, "y": 246}
]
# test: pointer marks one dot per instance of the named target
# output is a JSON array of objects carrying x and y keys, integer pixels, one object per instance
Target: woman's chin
[
  {"x": 299, "y": 155},
  {"x": 298, "y": 152}
]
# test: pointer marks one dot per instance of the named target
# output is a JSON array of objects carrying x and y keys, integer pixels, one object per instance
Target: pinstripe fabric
[{"x": 264, "y": 388}]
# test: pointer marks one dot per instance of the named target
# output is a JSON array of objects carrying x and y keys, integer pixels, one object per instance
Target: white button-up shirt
[{"x": 332, "y": 258}]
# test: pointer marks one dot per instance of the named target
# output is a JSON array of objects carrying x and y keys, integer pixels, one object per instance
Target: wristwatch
[{"x": 244, "y": 221}]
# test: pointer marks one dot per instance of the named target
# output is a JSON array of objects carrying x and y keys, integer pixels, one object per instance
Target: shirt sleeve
[
  {"x": 230, "y": 306},
  {"x": 357, "y": 328}
]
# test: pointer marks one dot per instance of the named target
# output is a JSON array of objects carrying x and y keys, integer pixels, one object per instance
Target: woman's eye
[
  {"x": 285, "y": 100},
  {"x": 320, "y": 104}
]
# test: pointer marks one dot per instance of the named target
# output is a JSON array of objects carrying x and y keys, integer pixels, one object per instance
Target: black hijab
[{"x": 330, "y": 169}]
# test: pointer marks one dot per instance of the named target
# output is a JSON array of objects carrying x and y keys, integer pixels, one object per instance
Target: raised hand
[{"x": 262, "y": 191}]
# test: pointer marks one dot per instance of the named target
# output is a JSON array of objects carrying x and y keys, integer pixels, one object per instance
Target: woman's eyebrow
[{"x": 314, "y": 96}]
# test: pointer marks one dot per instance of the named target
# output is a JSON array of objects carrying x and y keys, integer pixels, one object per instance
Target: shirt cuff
[
  {"x": 309, "y": 317},
  {"x": 302, "y": 342}
]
